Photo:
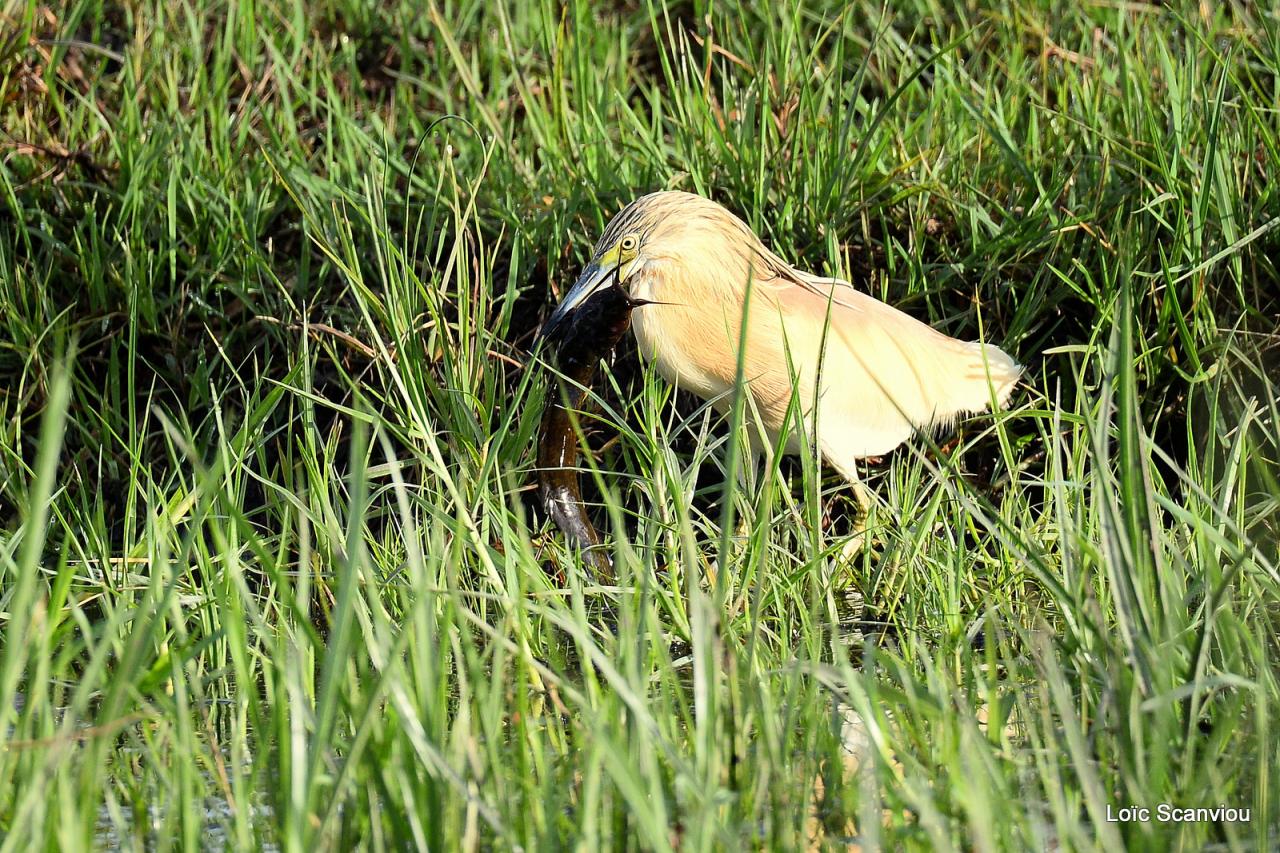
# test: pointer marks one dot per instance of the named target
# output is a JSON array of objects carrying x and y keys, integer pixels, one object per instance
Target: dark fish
[{"x": 595, "y": 329}]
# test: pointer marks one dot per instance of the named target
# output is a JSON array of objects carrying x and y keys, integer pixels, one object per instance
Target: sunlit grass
[{"x": 271, "y": 572}]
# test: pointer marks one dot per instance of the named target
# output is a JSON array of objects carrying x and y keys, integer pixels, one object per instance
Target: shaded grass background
[{"x": 270, "y": 571}]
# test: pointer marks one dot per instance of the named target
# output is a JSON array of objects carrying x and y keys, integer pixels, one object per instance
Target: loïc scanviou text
[{"x": 1169, "y": 813}]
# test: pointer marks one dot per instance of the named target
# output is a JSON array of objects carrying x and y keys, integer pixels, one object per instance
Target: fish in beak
[
  {"x": 584, "y": 328},
  {"x": 597, "y": 277},
  {"x": 584, "y": 304}
]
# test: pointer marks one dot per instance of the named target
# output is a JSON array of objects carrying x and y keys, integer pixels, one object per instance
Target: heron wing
[{"x": 883, "y": 374}]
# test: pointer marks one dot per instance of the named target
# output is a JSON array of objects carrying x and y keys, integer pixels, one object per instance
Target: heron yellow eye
[{"x": 628, "y": 243}]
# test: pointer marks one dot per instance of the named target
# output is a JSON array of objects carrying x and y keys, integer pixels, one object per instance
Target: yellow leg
[{"x": 853, "y": 546}]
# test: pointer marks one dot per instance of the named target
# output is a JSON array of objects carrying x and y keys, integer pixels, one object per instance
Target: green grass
[{"x": 271, "y": 572}]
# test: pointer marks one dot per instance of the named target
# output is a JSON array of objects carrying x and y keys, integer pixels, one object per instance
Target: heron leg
[{"x": 860, "y": 538}]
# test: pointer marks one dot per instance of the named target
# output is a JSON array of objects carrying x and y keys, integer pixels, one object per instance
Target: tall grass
[{"x": 271, "y": 572}]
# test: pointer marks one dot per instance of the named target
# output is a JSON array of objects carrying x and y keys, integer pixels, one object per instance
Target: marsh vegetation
[{"x": 271, "y": 569}]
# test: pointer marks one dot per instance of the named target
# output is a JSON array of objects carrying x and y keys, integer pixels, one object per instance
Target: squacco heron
[{"x": 695, "y": 273}]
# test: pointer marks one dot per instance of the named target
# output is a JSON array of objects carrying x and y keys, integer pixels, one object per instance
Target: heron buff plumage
[{"x": 876, "y": 374}]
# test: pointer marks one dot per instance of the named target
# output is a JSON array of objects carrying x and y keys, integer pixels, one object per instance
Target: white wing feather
[{"x": 885, "y": 374}]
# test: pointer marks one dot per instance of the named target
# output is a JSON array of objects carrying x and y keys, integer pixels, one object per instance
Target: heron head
[{"x": 690, "y": 239}]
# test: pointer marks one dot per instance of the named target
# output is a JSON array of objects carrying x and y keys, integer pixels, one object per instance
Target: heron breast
[{"x": 669, "y": 333}]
